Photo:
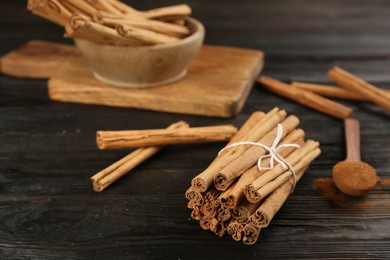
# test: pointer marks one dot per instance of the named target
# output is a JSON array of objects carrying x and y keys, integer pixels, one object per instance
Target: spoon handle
[{"x": 352, "y": 136}]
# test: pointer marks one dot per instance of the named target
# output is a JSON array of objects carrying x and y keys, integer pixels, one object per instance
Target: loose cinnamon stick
[
  {"x": 358, "y": 85},
  {"x": 250, "y": 156},
  {"x": 237, "y": 194},
  {"x": 81, "y": 28},
  {"x": 251, "y": 234},
  {"x": 329, "y": 91},
  {"x": 262, "y": 124},
  {"x": 169, "y": 29},
  {"x": 157, "y": 137},
  {"x": 306, "y": 98},
  {"x": 251, "y": 191},
  {"x": 106, "y": 177}
]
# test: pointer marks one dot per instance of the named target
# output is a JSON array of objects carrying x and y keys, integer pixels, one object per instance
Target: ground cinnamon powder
[{"x": 357, "y": 176}]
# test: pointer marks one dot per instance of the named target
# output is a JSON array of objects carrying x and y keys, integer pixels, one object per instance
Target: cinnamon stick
[
  {"x": 242, "y": 212},
  {"x": 205, "y": 222},
  {"x": 52, "y": 10},
  {"x": 218, "y": 227},
  {"x": 235, "y": 229},
  {"x": 196, "y": 213},
  {"x": 145, "y": 36},
  {"x": 224, "y": 214},
  {"x": 106, "y": 177},
  {"x": 169, "y": 29},
  {"x": 168, "y": 12},
  {"x": 262, "y": 124},
  {"x": 209, "y": 209},
  {"x": 250, "y": 156},
  {"x": 212, "y": 195},
  {"x": 306, "y": 98},
  {"x": 251, "y": 234},
  {"x": 157, "y": 137},
  {"x": 105, "y": 6},
  {"x": 79, "y": 27},
  {"x": 83, "y": 6},
  {"x": 358, "y": 85},
  {"x": 195, "y": 199},
  {"x": 329, "y": 91},
  {"x": 75, "y": 10},
  {"x": 122, "y": 7}
]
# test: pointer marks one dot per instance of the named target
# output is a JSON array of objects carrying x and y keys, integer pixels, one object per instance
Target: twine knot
[{"x": 272, "y": 153}]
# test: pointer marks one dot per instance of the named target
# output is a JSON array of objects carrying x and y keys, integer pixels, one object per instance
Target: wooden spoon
[{"x": 352, "y": 176}]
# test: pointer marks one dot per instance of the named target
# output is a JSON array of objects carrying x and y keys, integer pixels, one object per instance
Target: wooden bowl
[{"x": 143, "y": 66}]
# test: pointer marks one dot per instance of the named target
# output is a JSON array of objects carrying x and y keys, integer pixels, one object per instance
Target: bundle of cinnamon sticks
[
  {"x": 233, "y": 195},
  {"x": 114, "y": 22}
]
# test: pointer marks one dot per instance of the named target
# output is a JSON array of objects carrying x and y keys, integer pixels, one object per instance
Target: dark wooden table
[{"x": 47, "y": 149}]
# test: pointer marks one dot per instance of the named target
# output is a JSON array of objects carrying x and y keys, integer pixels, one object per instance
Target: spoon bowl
[{"x": 352, "y": 176}]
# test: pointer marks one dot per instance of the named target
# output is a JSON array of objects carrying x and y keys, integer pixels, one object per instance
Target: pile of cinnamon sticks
[
  {"x": 233, "y": 195},
  {"x": 114, "y": 22},
  {"x": 316, "y": 96}
]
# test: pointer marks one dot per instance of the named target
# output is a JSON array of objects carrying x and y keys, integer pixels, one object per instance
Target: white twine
[{"x": 272, "y": 154}]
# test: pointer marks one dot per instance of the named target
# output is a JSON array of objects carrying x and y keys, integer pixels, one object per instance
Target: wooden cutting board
[
  {"x": 37, "y": 59},
  {"x": 217, "y": 84}
]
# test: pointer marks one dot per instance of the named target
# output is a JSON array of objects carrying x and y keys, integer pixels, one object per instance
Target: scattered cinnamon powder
[
  {"x": 329, "y": 190},
  {"x": 384, "y": 182}
]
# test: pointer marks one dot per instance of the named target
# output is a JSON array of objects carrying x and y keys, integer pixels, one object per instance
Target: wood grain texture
[{"x": 48, "y": 150}]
